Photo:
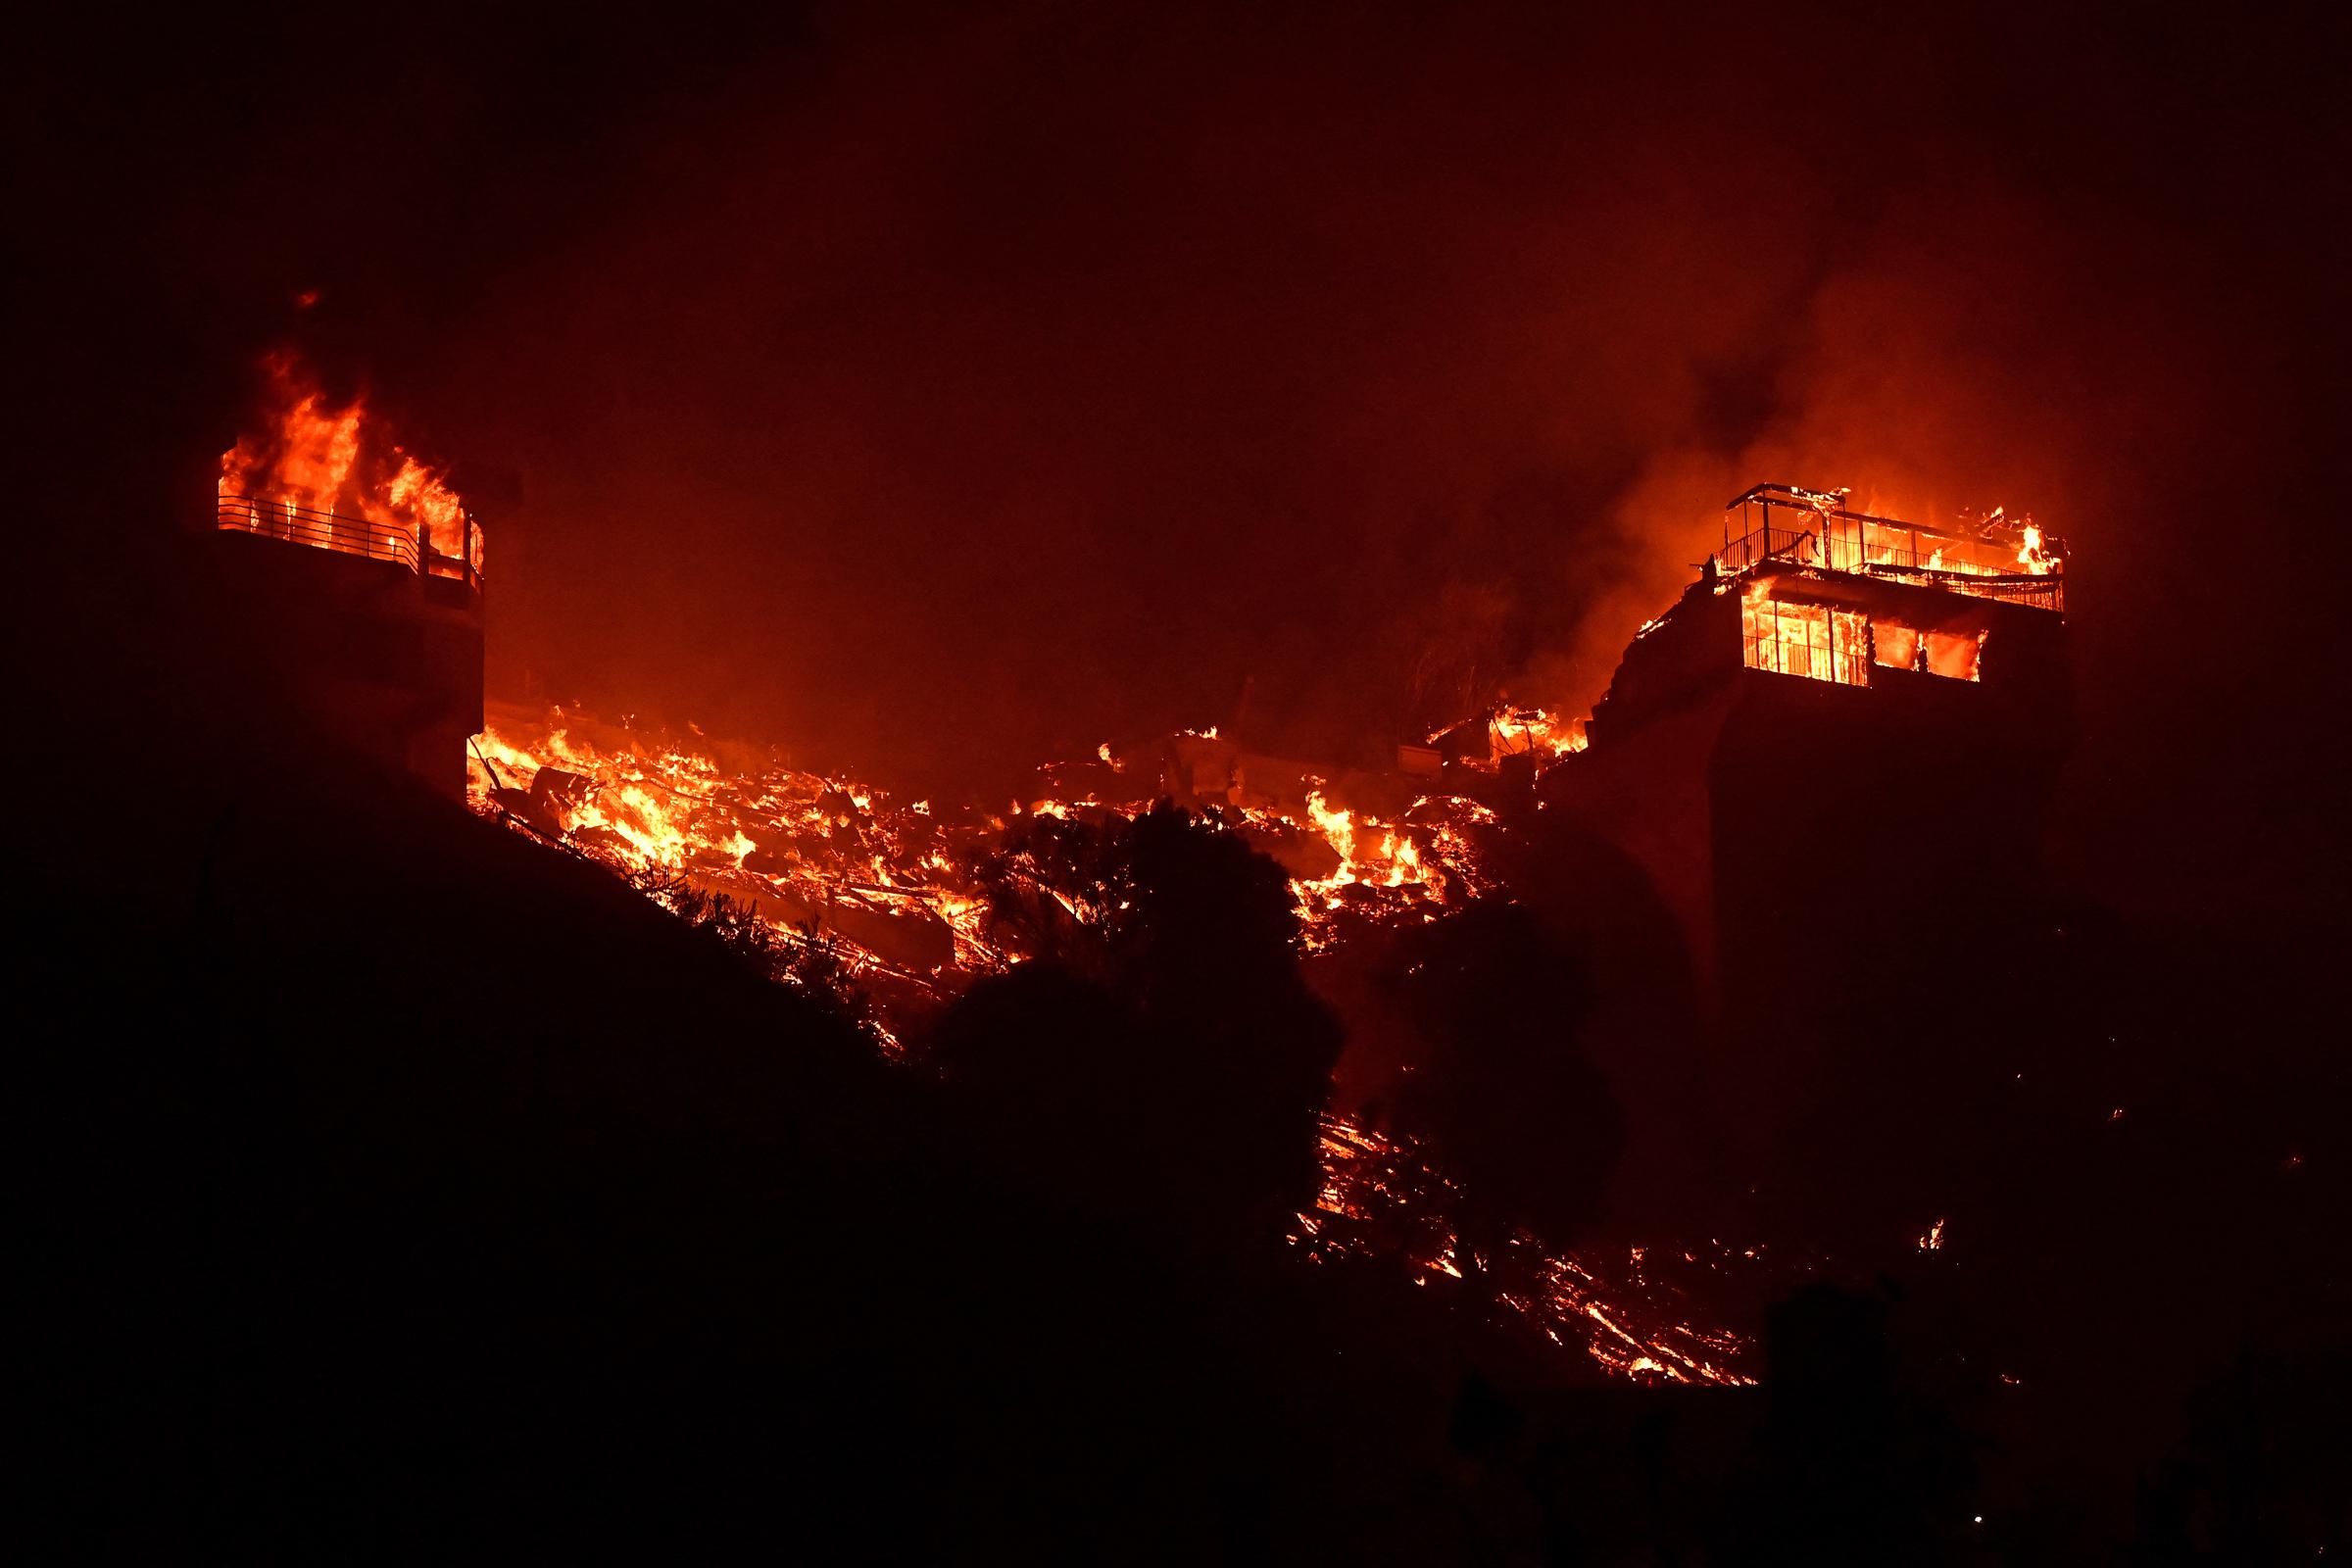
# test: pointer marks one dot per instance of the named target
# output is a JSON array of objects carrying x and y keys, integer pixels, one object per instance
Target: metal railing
[
  {"x": 1792, "y": 545},
  {"x": 405, "y": 545},
  {"x": 1838, "y": 540}
]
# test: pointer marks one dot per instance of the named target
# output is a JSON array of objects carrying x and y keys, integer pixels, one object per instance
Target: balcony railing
[
  {"x": 407, "y": 546},
  {"x": 1823, "y": 534}
]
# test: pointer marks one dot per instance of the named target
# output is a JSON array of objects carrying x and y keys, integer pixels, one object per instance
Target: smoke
[
  {"x": 1049, "y": 378},
  {"x": 1042, "y": 377},
  {"x": 940, "y": 391},
  {"x": 1927, "y": 369}
]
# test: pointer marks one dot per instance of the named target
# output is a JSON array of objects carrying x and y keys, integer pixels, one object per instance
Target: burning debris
[
  {"x": 913, "y": 896},
  {"x": 899, "y": 882}
]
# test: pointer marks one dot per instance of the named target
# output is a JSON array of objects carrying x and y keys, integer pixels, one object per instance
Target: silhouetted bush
[
  {"x": 1159, "y": 1053},
  {"x": 2264, "y": 1474},
  {"x": 1506, "y": 1100},
  {"x": 1854, "y": 1462},
  {"x": 807, "y": 958}
]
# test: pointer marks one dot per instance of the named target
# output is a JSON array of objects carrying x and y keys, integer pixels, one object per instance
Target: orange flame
[{"x": 315, "y": 456}]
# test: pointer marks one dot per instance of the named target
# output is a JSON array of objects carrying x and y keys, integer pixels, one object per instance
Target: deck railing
[
  {"x": 407, "y": 546},
  {"x": 1833, "y": 539}
]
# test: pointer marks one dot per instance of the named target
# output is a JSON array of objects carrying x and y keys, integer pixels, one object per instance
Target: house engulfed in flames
[
  {"x": 372, "y": 627},
  {"x": 1828, "y": 764}
]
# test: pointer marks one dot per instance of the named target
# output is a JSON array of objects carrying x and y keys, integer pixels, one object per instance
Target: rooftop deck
[{"x": 1997, "y": 560}]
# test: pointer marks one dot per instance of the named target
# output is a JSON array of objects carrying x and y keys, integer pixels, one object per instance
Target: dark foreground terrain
[{"x": 398, "y": 1184}]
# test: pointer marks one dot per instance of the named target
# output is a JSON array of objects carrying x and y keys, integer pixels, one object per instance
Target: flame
[
  {"x": 1520, "y": 730},
  {"x": 797, "y": 843},
  {"x": 309, "y": 454},
  {"x": 1409, "y": 872},
  {"x": 1339, "y": 827},
  {"x": 2032, "y": 554},
  {"x": 305, "y": 457},
  {"x": 417, "y": 492}
]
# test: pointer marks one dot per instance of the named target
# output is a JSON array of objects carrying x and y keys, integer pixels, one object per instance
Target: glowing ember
[{"x": 1380, "y": 1196}]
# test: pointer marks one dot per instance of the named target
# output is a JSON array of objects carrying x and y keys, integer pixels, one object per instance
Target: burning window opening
[
  {"x": 1813, "y": 641},
  {"x": 1809, "y": 601},
  {"x": 1896, "y": 646},
  {"x": 1954, "y": 655}
]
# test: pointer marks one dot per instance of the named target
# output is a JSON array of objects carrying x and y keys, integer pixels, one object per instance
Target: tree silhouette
[
  {"x": 1159, "y": 1051},
  {"x": 1854, "y": 1460},
  {"x": 1505, "y": 1098}
]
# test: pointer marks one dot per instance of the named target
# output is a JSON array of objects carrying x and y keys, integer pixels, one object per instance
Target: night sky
[{"x": 937, "y": 392}]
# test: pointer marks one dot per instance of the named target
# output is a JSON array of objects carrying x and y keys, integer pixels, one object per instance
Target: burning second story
[{"x": 1806, "y": 588}]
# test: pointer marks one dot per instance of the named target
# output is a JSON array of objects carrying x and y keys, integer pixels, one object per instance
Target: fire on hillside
[{"x": 895, "y": 886}]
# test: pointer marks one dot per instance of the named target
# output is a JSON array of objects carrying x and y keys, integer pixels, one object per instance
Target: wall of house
[{"x": 379, "y": 662}]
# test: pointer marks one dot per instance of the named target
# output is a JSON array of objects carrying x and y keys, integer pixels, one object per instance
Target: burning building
[
  {"x": 1829, "y": 760},
  {"x": 355, "y": 573}
]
